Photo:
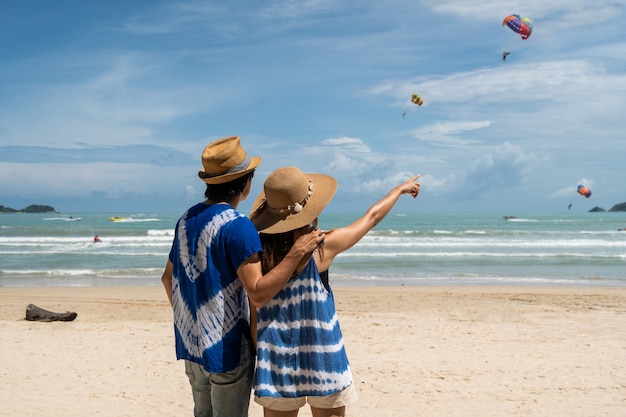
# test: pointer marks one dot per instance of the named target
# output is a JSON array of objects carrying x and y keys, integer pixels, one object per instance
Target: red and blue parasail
[
  {"x": 582, "y": 190},
  {"x": 519, "y": 24}
]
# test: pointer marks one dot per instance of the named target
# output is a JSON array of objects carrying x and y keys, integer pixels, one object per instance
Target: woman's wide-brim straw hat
[
  {"x": 291, "y": 199},
  {"x": 225, "y": 160}
]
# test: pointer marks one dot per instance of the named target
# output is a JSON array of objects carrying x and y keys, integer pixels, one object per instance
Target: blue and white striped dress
[{"x": 300, "y": 348}]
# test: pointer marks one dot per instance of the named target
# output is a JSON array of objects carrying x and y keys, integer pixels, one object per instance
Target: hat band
[
  {"x": 237, "y": 168},
  {"x": 297, "y": 206}
]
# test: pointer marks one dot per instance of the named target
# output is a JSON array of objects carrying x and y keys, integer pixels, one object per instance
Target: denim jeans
[{"x": 226, "y": 394}]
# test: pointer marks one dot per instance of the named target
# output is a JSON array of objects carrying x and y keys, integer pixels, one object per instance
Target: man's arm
[
  {"x": 253, "y": 325},
  {"x": 262, "y": 288},
  {"x": 166, "y": 279}
]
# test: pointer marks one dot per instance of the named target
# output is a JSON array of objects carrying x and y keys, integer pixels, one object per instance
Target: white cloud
[
  {"x": 432, "y": 186},
  {"x": 447, "y": 133},
  {"x": 569, "y": 12},
  {"x": 505, "y": 166},
  {"x": 343, "y": 165},
  {"x": 350, "y": 144},
  {"x": 524, "y": 83},
  {"x": 174, "y": 17},
  {"x": 80, "y": 180},
  {"x": 296, "y": 9},
  {"x": 532, "y": 104}
]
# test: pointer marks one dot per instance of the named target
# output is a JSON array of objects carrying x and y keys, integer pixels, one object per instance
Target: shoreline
[
  {"x": 449, "y": 350},
  {"x": 104, "y": 282}
]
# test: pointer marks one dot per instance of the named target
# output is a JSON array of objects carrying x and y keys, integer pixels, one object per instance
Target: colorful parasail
[
  {"x": 582, "y": 190},
  {"x": 417, "y": 99},
  {"x": 519, "y": 24}
]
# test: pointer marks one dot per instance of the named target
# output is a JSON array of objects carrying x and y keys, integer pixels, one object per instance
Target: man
[{"x": 213, "y": 270}]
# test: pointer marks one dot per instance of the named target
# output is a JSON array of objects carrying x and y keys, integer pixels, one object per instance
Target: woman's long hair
[{"x": 275, "y": 248}]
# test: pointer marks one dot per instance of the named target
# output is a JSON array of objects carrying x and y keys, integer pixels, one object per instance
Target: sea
[{"x": 567, "y": 249}]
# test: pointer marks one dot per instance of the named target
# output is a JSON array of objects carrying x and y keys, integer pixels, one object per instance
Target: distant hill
[
  {"x": 617, "y": 207},
  {"x": 34, "y": 208}
]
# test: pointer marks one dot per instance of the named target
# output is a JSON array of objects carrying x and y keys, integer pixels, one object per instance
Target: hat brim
[
  {"x": 271, "y": 222},
  {"x": 255, "y": 161}
]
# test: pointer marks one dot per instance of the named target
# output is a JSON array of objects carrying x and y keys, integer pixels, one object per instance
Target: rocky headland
[
  {"x": 617, "y": 207},
  {"x": 34, "y": 208}
]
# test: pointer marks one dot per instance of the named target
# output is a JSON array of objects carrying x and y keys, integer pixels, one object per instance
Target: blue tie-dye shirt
[{"x": 209, "y": 302}]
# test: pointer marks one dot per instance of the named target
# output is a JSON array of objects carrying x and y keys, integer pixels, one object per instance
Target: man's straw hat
[{"x": 225, "y": 160}]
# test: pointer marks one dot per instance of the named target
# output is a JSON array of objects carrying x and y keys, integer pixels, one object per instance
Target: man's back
[{"x": 210, "y": 305}]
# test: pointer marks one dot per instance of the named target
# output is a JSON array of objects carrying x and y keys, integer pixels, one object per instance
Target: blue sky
[{"x": 105, "y": 106}]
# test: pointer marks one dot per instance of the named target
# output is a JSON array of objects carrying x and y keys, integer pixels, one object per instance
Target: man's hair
[{"x": 228, "y": 190}]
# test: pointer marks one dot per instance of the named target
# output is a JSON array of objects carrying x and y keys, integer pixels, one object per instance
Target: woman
[{"x": 300, "y": 352}]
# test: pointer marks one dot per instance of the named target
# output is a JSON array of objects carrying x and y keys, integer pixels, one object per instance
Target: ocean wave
[
  {"x": 461, "y": 255},
  {"x": 340, "y": 280},
  {"x": 164, "y": 232},
  {"x": 120, "y": 273},
  {"x": 383, "y": 243}
]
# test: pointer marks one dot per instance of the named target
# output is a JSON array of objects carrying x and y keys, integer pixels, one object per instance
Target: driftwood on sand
[{"x": 34, "y": 313}]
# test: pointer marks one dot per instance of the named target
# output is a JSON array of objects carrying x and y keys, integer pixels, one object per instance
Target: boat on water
[
  {"x": 117, "y": 219},
  {"x": 509, "y": 217}
]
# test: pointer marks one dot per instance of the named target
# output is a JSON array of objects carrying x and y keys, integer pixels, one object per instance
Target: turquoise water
[{"x": 404, "y": 249}]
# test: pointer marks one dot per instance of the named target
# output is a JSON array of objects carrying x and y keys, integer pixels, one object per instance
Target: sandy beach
[{"x": 415, "y": 351}]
